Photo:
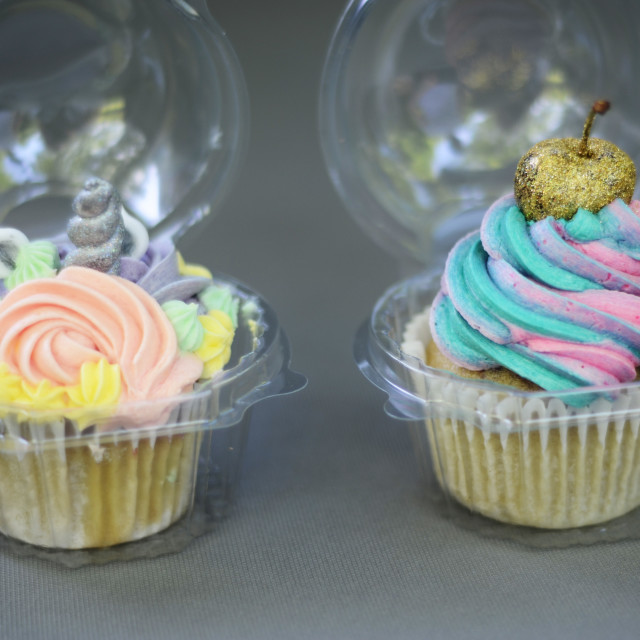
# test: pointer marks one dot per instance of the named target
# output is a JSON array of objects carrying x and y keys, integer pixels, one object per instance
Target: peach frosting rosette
[{"x": 51, "y": 327}]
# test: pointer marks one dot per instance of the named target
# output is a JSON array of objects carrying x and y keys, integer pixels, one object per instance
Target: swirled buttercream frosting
[
  {"x": 49, "y": 328},
  {"x": 555, "y": 301}
]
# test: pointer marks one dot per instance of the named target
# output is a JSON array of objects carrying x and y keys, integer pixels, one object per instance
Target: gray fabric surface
[{"x": 333, "y": 535}]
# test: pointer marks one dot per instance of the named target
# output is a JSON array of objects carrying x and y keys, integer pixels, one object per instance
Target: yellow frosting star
[
  {"x": 10, "y": 384},
  {"x": 100, "y": 385},
  {"x": 215, "y": 349},
  {"x": 185, "y": 269},
  {"x": 43, "y": 396}
]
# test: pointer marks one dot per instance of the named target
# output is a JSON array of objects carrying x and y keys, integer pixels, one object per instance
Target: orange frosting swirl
[{"x": 50, "y": 327}]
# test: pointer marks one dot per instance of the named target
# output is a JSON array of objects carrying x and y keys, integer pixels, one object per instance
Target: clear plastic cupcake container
[
  {"x": 149, "y": 96},
  {"x": 534, "y": 461},
  {"x": 67, "y": 486},
  {"x": 425, "y": 109}
]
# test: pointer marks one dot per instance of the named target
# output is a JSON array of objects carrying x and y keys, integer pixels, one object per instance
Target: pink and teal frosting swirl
[{"x": 555, "y": 301}]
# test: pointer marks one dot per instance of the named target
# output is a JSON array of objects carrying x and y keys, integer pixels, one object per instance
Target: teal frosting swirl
[
  {"x": 222, "y": 299},
  {"x": 555, "y": 301},
  {"x": 39, "y": 259},
  {"x": 184, "y": 318}
]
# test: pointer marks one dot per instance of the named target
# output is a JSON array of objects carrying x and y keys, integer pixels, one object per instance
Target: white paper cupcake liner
[
  {"x": 529, "y": 459},
  {"x": 95, "y": 490}
]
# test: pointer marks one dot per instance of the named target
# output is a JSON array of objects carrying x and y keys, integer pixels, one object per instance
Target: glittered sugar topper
[
  {"x": 97, "y": 230},
  {"x": 556, "y": 177},
  {"x": 102, "y": 231}
]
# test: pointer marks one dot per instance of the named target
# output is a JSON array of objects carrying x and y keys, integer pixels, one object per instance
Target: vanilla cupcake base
[
  {"x": 526, "y": 459},
  {"x": 567, "y": 478},
  {"x": 96, "y": 494}
]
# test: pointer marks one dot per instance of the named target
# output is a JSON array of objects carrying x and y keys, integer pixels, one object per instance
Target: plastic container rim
[{"x": 380, "y": 357}]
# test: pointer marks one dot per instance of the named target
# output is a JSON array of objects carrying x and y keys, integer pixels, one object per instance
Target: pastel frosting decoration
[
  {"x": 164, "y": 281},
  {"x": 555, "y": 301},
  {"x": 184, "y": 318},
  {"x": 100, "y": 385},
  {"x": 33, "y": 260},
  {"x": 10, "y": 384},
  {"x": 189, "y": 269},
  {"x": 222, "y": 298},
  {"x": 215, "y": 350},
  {"x": 50, "y": 328},
  {"x": 43, "y": 396}
]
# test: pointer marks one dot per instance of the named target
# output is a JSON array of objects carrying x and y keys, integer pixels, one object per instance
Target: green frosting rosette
[
  {"x": 184, "y": 318},
  {"x": 220, "y": 298},
  {"x": 39, "y": 259}
]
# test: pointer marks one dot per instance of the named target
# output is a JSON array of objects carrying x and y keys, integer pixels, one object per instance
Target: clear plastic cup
[
  {"x": 150, "y": 97},
  {"x": 426, "y": 106}
]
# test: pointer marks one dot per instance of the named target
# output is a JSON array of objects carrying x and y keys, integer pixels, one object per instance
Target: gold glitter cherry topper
[{"x": 556, "y": 177}]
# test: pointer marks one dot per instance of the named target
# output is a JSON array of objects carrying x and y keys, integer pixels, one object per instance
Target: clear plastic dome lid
[
  {"x": 145, "y": 94},
  {"x": 427, "y": 105}
]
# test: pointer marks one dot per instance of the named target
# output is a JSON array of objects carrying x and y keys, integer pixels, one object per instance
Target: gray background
[{"x": 333, "y": 535}]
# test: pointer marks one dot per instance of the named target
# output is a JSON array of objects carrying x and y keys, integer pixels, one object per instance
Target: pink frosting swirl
[{"x": 50, "y": 327}]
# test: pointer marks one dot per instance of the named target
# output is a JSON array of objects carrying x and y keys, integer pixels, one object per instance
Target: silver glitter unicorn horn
[{"x": 98, "y": 229}]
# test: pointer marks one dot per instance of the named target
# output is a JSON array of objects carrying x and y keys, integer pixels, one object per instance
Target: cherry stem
[{"x": 599, "y": 107}]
